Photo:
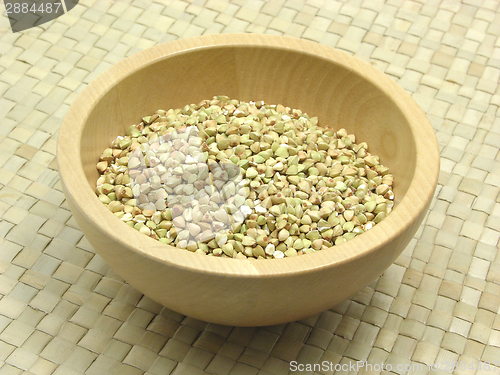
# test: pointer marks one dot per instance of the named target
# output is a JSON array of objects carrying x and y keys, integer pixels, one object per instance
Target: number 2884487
[{"x": 35, "y": 8}]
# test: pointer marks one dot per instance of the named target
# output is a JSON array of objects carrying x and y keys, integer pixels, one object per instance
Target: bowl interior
[{"x": 340, "y": 96}]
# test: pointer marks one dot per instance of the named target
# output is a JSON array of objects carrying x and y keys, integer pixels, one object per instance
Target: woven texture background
[{"x": 63, "y": 311}]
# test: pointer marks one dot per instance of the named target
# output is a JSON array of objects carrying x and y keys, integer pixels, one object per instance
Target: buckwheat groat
[{"x": 243, "y": 180}]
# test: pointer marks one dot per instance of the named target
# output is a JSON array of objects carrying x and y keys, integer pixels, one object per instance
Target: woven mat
[{"x": 63, "y": 311}]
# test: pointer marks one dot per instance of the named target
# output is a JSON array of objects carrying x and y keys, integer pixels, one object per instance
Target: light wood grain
[{"x": 341, "y": 90}]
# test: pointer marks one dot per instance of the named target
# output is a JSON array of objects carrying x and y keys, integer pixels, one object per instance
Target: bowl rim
[{"x": 414, "y": 203}]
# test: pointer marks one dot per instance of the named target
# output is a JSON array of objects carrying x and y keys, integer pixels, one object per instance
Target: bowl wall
[
  {"x": 338, "y": 95},
  {"x": 341, "y": 90}
]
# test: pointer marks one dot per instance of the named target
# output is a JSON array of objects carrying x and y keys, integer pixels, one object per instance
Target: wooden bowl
[{"x": 321, "y": 81}]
